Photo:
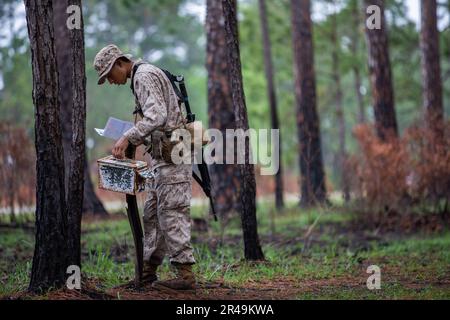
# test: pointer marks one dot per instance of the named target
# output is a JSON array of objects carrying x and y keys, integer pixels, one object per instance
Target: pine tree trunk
[
  {"x": 381, "y": 77},
  {"x": 342, "y": 153},
  {"x": 91, "y": 203},
  {"x": 360, "y": 99},
  {"x": 63, "y": 55},
  {"x": 312, "y": 184},
  {"x": 247, "y": 187},
  {"x": 431, "y": 66},
  {"x": 279, "y": 202},
  {"x": 354, "y": 47},
  {"x": 12, "y": 197},
  {"x": 51, "y": 250},
  {"x": 77, "y": 150},
  {"x": 224, "y": 177}
]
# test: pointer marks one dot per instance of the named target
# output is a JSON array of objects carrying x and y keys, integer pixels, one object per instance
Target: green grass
[{"x": 331, "y": 267}]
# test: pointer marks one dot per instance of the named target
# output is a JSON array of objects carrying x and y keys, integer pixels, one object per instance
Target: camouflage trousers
[{"x": 167, "y": 222}]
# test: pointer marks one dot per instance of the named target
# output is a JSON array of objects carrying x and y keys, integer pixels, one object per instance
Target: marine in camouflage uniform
[{"x": 167, "y": 223}]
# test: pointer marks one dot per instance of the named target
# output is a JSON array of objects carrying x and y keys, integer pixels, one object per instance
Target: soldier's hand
[{"x": 119, "y": 148}]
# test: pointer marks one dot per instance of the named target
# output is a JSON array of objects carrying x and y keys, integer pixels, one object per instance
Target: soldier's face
[{"x": 118, "y": 74}]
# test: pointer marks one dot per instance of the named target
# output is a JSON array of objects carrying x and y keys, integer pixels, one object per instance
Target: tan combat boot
[
  {"x": 185, "y": 279},
  {"x": 149, "y": 273}
]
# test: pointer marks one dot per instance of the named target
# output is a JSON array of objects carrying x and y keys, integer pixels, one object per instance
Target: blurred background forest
[{"x": 171, "y": 34}]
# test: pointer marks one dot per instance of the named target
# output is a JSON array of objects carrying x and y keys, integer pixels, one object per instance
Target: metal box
[{"x": 124, "y": 176}]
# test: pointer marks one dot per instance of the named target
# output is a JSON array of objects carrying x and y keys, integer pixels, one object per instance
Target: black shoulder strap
[
  {"x": 181, "y": 92},
  {"x": 173, "y": 80}
]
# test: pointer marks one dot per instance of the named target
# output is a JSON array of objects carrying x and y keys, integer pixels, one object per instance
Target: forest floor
[{"x": 316, "y": 254}]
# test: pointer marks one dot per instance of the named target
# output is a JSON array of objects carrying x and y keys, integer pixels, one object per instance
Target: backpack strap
[{"x": 173, "y": 80}]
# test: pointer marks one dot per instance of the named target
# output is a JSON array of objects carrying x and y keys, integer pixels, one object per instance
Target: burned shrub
[{"x": 399, "y": 175}]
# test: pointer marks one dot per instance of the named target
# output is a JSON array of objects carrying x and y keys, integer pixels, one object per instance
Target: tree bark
[
  {"x": 431, "y": 66},
  {"x": 64, "y": 59},
  {"x": 247, "y": 187},
  {"x": 342, "y": 152},
  {"x": 381, "y": 77},
  {"x": 279, "y": 202},
  {"x": 77, "y": 150},
  {"x": 51, "y": 250},
  {"x": 224, "y": 177},
  {"x": 63, "y": 41},
  {"x": 312, "y": 183}
]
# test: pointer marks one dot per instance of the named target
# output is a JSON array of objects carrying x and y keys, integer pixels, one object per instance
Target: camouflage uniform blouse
[{"x": 159, "y": 104}]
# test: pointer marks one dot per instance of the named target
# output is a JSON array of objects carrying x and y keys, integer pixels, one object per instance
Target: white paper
[{"x": 115, "y": 128}]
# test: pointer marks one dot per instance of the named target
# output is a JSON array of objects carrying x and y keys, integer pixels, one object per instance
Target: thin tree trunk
[
  {"x": 354, "y": 47},
  {"x": 247, "y": 188},
  {"x": 91, "y": 203},
  {"x": 381, "y": 77},
  {"x": 360, "y": 99},
  {"x": 279, "y": 202},
  {"x": 342, "y": 153},
  {"x": 51, "y": 250},
  {"x": 431, "y": 66},
  {"x": 77, "y": 150},
  {"x": 224, "y": 177},
  {"x": 63, "y": 55},
  {"x": 312, "y": 186},
  {"x": 12, "y": 196},
  {"x": 10, "y": 177}
]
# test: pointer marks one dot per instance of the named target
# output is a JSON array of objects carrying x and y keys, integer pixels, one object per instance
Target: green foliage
[
  {"x": 405, "y": 62},
  {"x": 14, "y": 107},
  {"x": 254, "y": 75}
]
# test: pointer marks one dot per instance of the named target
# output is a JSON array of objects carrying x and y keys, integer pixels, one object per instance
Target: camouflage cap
[{"x": 105, "y": 59}]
